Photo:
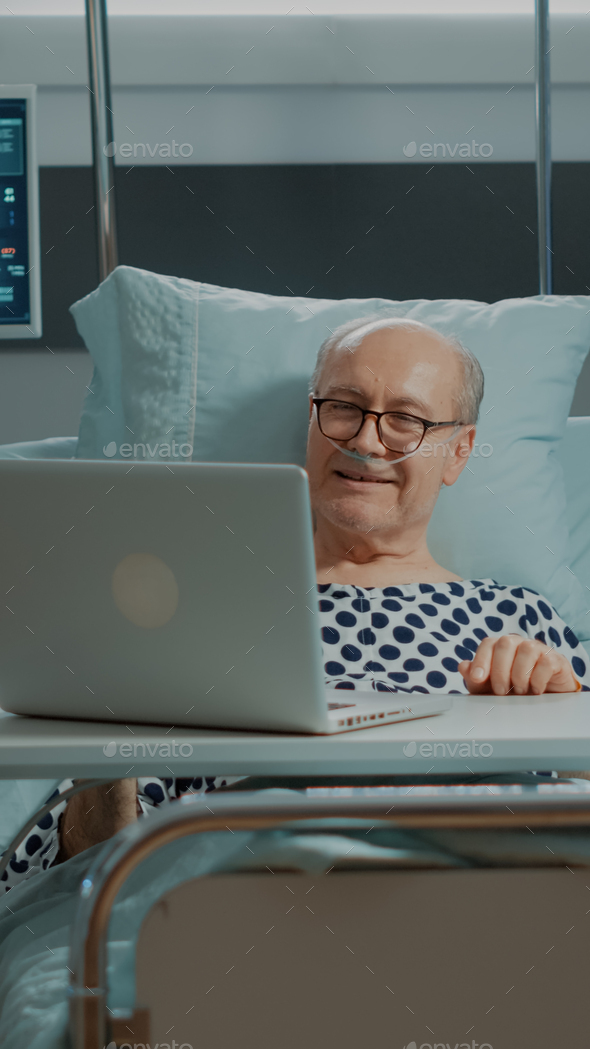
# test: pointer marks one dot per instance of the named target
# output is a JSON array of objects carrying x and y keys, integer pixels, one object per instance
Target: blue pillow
[
  {"x": 574, "y": 455},
  {"x": 185, "y": 368}
]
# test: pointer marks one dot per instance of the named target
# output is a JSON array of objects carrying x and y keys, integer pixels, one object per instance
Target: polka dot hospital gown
[
  {"x": 412, "y": 637},
  {"x": 407, "y": 638}
]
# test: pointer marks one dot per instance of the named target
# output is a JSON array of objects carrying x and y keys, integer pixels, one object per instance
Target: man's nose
[{"x": 367, "y": 440}]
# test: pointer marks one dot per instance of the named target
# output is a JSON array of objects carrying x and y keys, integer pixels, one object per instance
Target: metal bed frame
[
  {"x": 103, "y": 152},
  {"x": 92, "y": 1028}
]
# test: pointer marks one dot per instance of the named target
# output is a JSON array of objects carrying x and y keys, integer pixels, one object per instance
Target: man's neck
[{"x": 344, "y": 556}]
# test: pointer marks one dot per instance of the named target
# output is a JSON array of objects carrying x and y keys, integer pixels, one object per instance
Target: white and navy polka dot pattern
[
  {"x": 40, "y": 848},
  {"x": 153, "y": 792},
  {"x": 412, "y": 637}
]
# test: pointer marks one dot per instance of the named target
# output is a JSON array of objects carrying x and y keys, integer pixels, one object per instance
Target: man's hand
[{"x": 517, "y": 665}]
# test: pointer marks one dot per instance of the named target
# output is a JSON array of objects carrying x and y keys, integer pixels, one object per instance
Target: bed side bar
[
  {"x": 103, "y": 144},
  {"x": 543, "y": 128}
]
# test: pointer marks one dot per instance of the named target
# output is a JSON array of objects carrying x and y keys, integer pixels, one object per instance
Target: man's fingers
[
  {"x": 476, "y": 673},
  {"x": 537, "y": 669},
  {"x": 463, "y": 667},
  {"x": 474, "y": 687},
  {"x": 515, "y": 665},
  {"x": 542, "y": 672},
  {"x": 502, "y": 660},
  {"x": 552, "y": 673},
  {"x": 528, "y": 654}
]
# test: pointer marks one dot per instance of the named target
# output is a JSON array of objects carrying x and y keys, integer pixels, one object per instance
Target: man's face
[{"x": 391, "y": 370}]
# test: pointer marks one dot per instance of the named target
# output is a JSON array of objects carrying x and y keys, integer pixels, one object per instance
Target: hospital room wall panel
[
  {"x": 313, "y": 123},
  {"x": 407, "y": 48},
  {"x": 447, "y": 231},
  {"x": 437, "y": 231}
]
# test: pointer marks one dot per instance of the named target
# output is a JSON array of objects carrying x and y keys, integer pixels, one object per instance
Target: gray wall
[{"x": 41, "y": 394}]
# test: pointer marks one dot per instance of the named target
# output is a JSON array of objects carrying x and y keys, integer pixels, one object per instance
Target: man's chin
[{"x": 357, "y": 515}]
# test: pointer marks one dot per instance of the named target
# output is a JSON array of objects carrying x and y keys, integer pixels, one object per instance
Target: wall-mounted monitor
[{"x": 20, "y": 255}]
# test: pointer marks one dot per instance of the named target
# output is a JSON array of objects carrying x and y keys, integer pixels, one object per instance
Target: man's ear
[{"x": 460, "y": 449}]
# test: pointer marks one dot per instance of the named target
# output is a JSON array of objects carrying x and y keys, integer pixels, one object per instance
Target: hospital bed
[
  {"x": 425, "y": 916},
  {"x": 394, "y": 915},
  {"x": 421, "y": 915}
]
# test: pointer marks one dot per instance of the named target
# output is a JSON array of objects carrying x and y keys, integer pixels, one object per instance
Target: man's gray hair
[{"x": 351, "y": 334}]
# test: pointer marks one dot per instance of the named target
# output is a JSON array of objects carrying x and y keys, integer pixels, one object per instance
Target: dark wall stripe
[{"x": 403, "y": 231}]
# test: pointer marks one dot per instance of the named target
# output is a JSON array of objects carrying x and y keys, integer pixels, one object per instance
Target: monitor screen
[{"x": 19, "y": 226}]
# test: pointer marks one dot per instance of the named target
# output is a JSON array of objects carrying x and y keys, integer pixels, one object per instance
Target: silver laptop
[{"x": 169, "y": 594}]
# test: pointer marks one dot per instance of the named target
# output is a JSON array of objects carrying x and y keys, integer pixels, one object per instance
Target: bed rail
[
  {"x": 102, "y": 135},
  {"x": 251, "y": 812},
  {"x": 543, "y": 128}
]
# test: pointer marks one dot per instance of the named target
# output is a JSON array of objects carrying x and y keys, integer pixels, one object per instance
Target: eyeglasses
[{"x": 398, "y": 431}]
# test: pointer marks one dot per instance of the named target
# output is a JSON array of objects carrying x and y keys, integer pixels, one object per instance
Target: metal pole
[
  {"x": 103, "y": 145},
  {"x": 543, "y": 125}
]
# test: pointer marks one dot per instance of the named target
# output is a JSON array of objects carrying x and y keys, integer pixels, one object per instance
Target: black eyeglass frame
[{"x": 427, "y": 424}]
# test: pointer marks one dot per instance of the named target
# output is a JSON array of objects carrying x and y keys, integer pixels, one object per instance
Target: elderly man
[
  {"x": 384, "y": 393},
  {"x": 393, "y": 408}
]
